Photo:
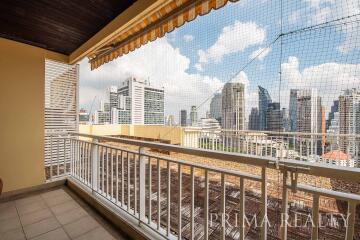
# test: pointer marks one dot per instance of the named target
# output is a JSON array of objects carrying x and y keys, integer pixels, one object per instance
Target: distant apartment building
[
  {"x": 333, "y": 132},
  {"x": 274, "y": 117},
  {"x": 135, "y": 101},
  {"x": 264, "y": 100},
  {"x": 293, "y": 110},
  {"x": 193, "y": 116},
  {"x": 208, "y": 124},
  {"x": 183, "y": 118},
  {"x": 349, "y": 111},
  {"x": 101, "y": 117},
  {"x": 233, "y": 106},
  {"x": 309, "y": 120},
  {"x": 215, "y": 107},
  {"x": 254, "y": 119}
]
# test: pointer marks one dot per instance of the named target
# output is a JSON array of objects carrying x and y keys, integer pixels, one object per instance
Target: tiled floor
[{"x": 53, "y": 215}]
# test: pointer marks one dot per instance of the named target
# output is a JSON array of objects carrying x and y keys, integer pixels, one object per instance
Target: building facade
[
  {"x": 264, "y": 100},
  {"x": 193, "y": 116},
  {"x": 254, "y": 119},
  {"x": 215, "y": 107},
  {"x": 233, "y": 106},
  {"x": 274, "y": 117},
  {"x": 183, "y": 118},
  {"x": 293, "y": 110}
]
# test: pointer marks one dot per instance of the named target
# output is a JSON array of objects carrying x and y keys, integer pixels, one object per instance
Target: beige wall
[
  {"x": 174, "y": 134},
  {"x": 22, "y": 75}
]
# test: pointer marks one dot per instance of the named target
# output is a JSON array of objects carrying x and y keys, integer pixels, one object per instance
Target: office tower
[
  {"x": 323, "y": 126},
  {"x": 333, "y": 110},
  {"x": 170, "y": 120},
  {"x": 285, "y": 120},
  {"x": 193, "y": 116},
  {"x": 254, "y": 119},
  {"x": 84, "y": 116},
  {"x": 274, "y": 117},
  {"x": 102, "y": 117},
  {"x": 104, "y": 106},
  {"x": 349, "y": 111},
  {"x": 309, "y": 119},
  {"x": 215, "y": 107},
  {"x": 113, "y": 101},
  {"x": 264, "y": 100},
  {"x": 293, "y": 109},
  {"x": 233, "y": 106},
  {"x": 333, "y": 132},
  {"x": 146, "y": 102},
  {"x": 183, "y": 118}
]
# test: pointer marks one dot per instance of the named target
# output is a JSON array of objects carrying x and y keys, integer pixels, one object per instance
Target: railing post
[
  {"x": 284, "y": 208},
  {"x": 264, "y": 219},
  {"x": 142, "y": 182},
  {"x": 94, "y": 164}
]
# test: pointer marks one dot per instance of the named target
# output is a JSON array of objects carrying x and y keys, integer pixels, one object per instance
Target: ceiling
[{"x": 57, "y": 25}]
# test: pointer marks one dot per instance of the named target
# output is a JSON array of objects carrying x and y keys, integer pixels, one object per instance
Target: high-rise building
[
  {"x": 170, "y": 120},
  {"x": 215, "y": 107},
  {"x": 349, "y": 111},
  {"x": 84, "y": 116},
  {"x": 146, "y": 102},
  {"x": 183, "y": 118},
  {"x": 333, "y": 131},
  {"x": 254, "y": 119},
  {"x": 193, "y": 116},
  {"x": 113, "y": 101},
  {"x": 274, "y": 117},
  {"x": 293, "y": 109},
  {"x": 264, "y": 100},
  {"x": 333, "y": 110},
  {"x": 233, "y": 106},
  {"x": 285, "y": 120},
  {"x": 101, "y": 117},
  {"x": 309, "y": 120}
]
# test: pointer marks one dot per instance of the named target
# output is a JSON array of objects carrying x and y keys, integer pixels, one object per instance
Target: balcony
[
  {"x": 176, "y": 195},
  {"x": 71, "y": 181}
]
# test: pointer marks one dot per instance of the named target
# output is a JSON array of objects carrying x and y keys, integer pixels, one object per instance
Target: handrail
[{"x": 315, "y": 169}]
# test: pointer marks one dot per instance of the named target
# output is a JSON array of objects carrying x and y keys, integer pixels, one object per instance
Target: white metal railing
[
  {"x": 327, "y": 148},
  {"x": 150, "y": 187}
]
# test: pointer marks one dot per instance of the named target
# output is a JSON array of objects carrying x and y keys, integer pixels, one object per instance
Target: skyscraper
[
  {"x": 254, "y": 119},
  {"x": 233, "y": 106},
  {"x": 293, "y": 109},
  {"x": 349, "y": 109},
  {"x": 193, "y": 116},
  {"x": 274, "y": 117},
  {"x": 264, "y": 100},
  {"x": 333, "y": 110},
  {"x": 183, "y": 117},
  {"x": 215, "y": 107},
  {"x": 309, "y": 119},
  {"x": 146, "y": 102}
]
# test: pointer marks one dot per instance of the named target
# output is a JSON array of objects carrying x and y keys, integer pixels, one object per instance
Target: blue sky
[{"x": 194, "y": 61}]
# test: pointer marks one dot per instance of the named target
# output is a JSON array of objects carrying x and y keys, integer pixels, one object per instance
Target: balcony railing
[
  {"x": 310, "y": 147},
  {"x": 178, "y": 198}
]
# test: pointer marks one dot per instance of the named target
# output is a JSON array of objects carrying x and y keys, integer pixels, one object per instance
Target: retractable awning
[{"x": 171, "y": 15}]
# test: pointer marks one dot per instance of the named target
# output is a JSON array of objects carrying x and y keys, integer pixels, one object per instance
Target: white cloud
[
  {"x": 188, "y": 38},
  {"x": 328, "y": 78},
  {"x": 294, "y": 17},
  {"x": 233, "y": 38},
  {"x": 165, "y": 67},
  {"x": 260, "y": 53},
  {"x": 198, "y": 67}
]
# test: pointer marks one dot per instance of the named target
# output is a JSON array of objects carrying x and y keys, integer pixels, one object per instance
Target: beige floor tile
[
  {"x": 31, "y": 207},
  {"x": 28, "y": 200},
  {"x": 55, "y": 200},
  {"x": 9, "y": 224},
  {"x": 57, "y": 234},
  {"x": 96, "y": 234},
  {"x": 34, "y": 217},
  {"x": 8, "y": 212},
  {"x": 81, "y": 226},
  {"x": 6, "y": 205},
  {"x": 71, "y": 216},
  {"x": 16, "y": 234},
  {"x": 64, "y": 207},
  {"x": 41, "y": 227},
  {"x": 53, "y": 193}
]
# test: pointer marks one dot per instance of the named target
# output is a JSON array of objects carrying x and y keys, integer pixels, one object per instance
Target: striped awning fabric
[{"x": 172, "y": 15}]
